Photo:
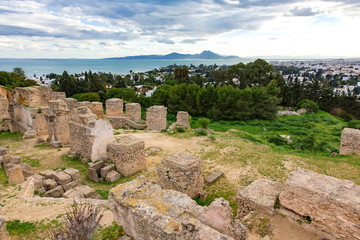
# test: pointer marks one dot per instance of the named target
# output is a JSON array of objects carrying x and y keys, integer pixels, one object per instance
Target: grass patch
[
  {"x": 112, "y": 232},
  {"x": 3, "y": 177},
  {"x": 8, "y": 136},
  {"x": 43, "y": 145},
  {"x": 16, "y": 227},
  {"x": 33, "y": 162}
]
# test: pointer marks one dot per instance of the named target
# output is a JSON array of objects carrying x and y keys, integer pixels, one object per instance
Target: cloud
[
  {"x": 303, "y": 12},
  {"x": 163, "y": 40},
  {"x": 193, "y": 41}
]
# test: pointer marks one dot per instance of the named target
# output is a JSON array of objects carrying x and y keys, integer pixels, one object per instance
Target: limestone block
[
  {"x": 29, "y": 134},
  {"x": 156, "y": 118},
  {"x": 133, "y": 111},
  {"x": 87, "y": 191},
  {"x": 3, "y": 151},
  {"x": 56, "y": 144},
  {"x": 148, "y": 212},
  {"x": 70, "y": 103},
  {"x": 74, "y": 173},
  {"x": 128, "y": 153},
  {"x": 213, "y": 177},
  {"x": 105, "y": 170},
  {"x": 97, "y": 165},
  {"x": 4, "y": 108},
  {"x": 97, "y": 109},
  {"x": 183, "y": 119},
  {"x": 114, "y": 107},
  {"x": 49, "y": 184},
  {"x": 38, "y": 181},
  {"x": 350, "y": 141},
  {"x": 112, "y": 176},
  {"x": 259, "y": 196},
  {"x": 10, "y": 159},
  {"x": 34, "y": 96},
  {"x": 93, "y": 174},
  {"x": 55, "y": 192},
  {"x": 181, "y": 172},
  {"x": 4, "y": 235},
  {"x": 61, "y": 177},
  {"x": 27, "y": 170},
  {"x": 47, "y": 173},
  {"x": 71, "y": 185},
  {"x": 83, "y": 104},
  {"x": 332, "y": 204},
  {"x": 15, "y": 175},
  {"x": 72, "y": 193}
]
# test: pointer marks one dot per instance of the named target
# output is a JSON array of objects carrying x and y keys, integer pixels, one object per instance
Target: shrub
[
  {"x": 277, "y": 140},
  {"x": 91, "y": 97},
  {"x": 201, "y": 133},
  {"x": 309, "y": 105},
  {"x": 179, "y": 129},
  {"x": 204, "y": 122},
  {"x": 354, "y": 124},
  {"x": 112, "y": 232},
  {"x": 16, "y": 227}
]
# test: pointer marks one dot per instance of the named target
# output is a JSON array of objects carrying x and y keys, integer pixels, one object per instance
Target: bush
[
  {"x": 16, "y": 227},
  {"x": 179, "y": 129},
  {"x": 309, "y": 105},
  {"x": 204, "y": 122},
  {"x": 91, "y": 97},
  {"x": 354, "y": 124},
  {"x": 201, "y": 133},
  {"x": 277, "y": 140}
]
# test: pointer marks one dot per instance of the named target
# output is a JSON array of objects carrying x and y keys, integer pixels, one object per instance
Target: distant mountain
[{"x": 174, "y": 55}]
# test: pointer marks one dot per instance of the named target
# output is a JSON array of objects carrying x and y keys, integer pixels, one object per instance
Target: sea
[{"x": 40, "y": 67}]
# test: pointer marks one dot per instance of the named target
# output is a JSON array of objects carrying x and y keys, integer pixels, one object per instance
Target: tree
[
  {"x": 19, "y": 71},
  {"x": 181, "y": 74}
]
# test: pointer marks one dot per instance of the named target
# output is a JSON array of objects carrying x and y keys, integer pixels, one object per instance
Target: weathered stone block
[
  {"x": 10, "y": 159},
  {"x": 213, "y": 177},
  {"x": 259, "y": 196},
  {"x": 4, "y": 235},
  {"x": 93, "y": 174},
  {"x": 128, "y": 153},
  {"x": 87, "y": 191},
  {"x": 114, "y": 107},
  {"x": 71, "y": 185},
  {"x": 156, "y": 118},
  {"x": 38, "y": 181},
  {"x": 49, "y": 184},
  {"x": 112, "y": 176},
  {"x": 15, "y": 175},
  {"x": 133, "y": 111},
  {"x": 97, "y": 109},
  {"x": 74, "y": 173},
  {"x": 332, "y": 204},
  {"x": 105, "y": 170},
  {"x": 47, "y": 173},
  {"x": 181, "y": 172},
  {"x": 72, "y": 193},
  {"x": 3, "y": 151},
  {"x": 97, "y": 165},
  {"x": 55, "y": 192},
  {"x": 183, "y": 119},
  {"x": 70, "y": 103},
  {"x": 27, "y": 170},
  {"x": 350, "y": 141},
  {"x": 148, "y": 212},
  {"x": 61, "y": 177},
  {"x": 4, "y": 108}
]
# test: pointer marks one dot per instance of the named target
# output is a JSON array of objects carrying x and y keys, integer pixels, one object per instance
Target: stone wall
[
  {"x": 133, "y": 111},
  {"x": 350, "y": 141},
  {"x": 183, "y": 119},
  {"x": 331, "y": 204},
  {"x": 148, "y": 212},
  {"x": 4, "y": 235},
  {"x": 39, "y": 120},
  {"x": 181, "y": 172},
  {"x": 4, "y": 108},
  {"x": 88, "y": 135},
  {"x": 114, "y": 107},
  {"x": 124, "y": 122},
  {"x": 71, "y": 103},
  {"x": 97, "y": 109},
  {"x": 57, "y": 118},
  {"x": 35, "y": 96},
  {"x": 156, "y": 118},
  {"x": 128, "y": 154}
]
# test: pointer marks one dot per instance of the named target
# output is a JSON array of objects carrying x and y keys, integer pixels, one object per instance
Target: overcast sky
[{"x": 114, "y": 28}]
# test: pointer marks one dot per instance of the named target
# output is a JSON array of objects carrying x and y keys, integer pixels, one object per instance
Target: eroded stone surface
[
  {"x": 15, "y": 175},
  {"x": 332, "y": 204},
  {"x": 4, "y": 235},
  {"x": 128, "y": 154},
  {"x": 350, "y": 141},
  {"x": 148, "y": 212},
  {"x": 112, "y": 176},
  {"x": 259, "y": 196},
  {"x": 97, "y": 109},
  {"x": 133, "y": 111},
  {"x": 181, "y": 172},
  {"x": 114, "y": 107},
  {"x": 156, "y": 118}
]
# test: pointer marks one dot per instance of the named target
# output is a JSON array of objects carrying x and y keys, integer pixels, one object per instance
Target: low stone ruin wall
[
  {"x": 331, "y": 204},
  {"x": 114, "y": 107},
  {"x": 124, "y": 122},
  {"x": 102, "y": 171},
  {"x": 133, "y": 111},
  {"x": 350, "y": 141},
  {"x": 156, "y": 118},
  {"x": 97, "y": 109},
  {"x": 148, "y": 212}
]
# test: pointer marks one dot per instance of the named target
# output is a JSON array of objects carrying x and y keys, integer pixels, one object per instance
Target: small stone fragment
[
  {"x": 213, "y": 177},
  {"x": 112, "y": 176},
  {"x": 15, "y": 175}
]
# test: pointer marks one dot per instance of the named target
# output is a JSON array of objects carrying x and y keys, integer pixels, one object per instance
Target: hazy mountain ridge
[{"x": 175, "y": 55}]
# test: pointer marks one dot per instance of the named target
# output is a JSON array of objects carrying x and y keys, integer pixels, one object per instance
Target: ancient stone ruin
[
  {"x": 148, "y": 212},
  {"x": 128, "y": 154},
  {"x": 259, "y": 196},
  {"x": 350, "y": 141},
  {"x": 114, "y": 107},
  {"x": 329, "y": 203},
  {"x": 97, "y": 109},
  {"x": 181, "y": 172},
  {"x": 4, "y": 235},
  {"x": 156, "y": 118},
  {"x": 89, "y": 135},
  {"x": 102, "y": 171},
  {"x": 133, "y": 111}
]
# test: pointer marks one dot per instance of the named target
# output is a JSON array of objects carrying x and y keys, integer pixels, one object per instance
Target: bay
[{"x": 58, "y": 66}]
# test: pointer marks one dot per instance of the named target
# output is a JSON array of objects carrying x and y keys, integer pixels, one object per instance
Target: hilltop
[{"x": 175, "y": 55}]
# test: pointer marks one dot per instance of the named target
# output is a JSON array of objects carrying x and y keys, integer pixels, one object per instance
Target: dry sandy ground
[{"x": 15, "y": 208}]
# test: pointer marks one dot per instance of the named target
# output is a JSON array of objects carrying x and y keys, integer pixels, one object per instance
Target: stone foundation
[
  {"x": 331, "y": 204},
  {"x": 350, "y": 141},
  {"x": 114, "y": 107},
  {"x": 148, "y": 212},
  {"x": 181, "y": 172},
  {"x": 124, "y": 122},
  {"x": 156, "y": 118},
  {"x": 128, "y": 154}
]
